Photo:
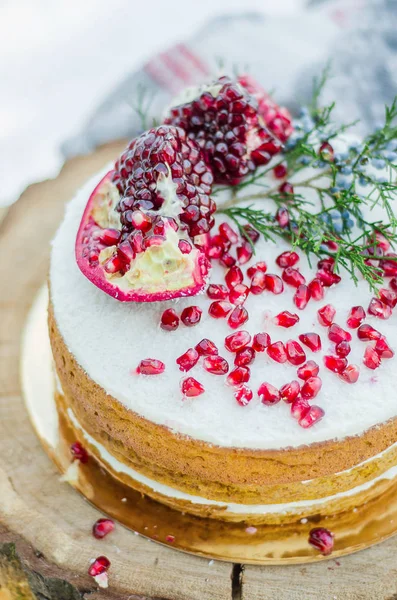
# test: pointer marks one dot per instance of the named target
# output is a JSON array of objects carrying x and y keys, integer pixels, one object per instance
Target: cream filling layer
[{"x": 165, "y": 490}]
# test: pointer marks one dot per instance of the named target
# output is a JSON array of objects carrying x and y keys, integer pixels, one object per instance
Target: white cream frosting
[{"x": 109, "y": 338}]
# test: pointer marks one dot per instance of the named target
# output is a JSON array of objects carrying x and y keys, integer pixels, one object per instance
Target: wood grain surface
[{"x": 50, "y": 523}]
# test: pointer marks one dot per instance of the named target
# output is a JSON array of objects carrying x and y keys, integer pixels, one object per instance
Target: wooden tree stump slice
[{"x": 50, "y": 524}]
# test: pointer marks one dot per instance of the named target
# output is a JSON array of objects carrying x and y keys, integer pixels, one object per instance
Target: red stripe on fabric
[
  {"x": 176, "y": 67},
  {"x": 193, "y": 59},
  {"x": 156, "y": 71}
]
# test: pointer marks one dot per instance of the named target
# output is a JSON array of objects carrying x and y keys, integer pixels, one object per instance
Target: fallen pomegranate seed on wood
[
  {"x": 102, "y": 527},
  {"x": 322, "y": 540},
  {"x": 99, "y": 566}
]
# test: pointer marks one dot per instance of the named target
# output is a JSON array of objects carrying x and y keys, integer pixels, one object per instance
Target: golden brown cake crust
[{"x": 227, "y": 474}]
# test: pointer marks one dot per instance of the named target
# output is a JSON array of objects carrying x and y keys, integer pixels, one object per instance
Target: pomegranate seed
[
  {"x": 238, "y": 317},
  {"x": 277, "y": 352},
  {"x": 378, "y": 309},
  {"x": 217, "y": 292},
  {"x": 244, "y": 253},
  {"x": 259, "y": 266},
  {"x": 280, "y": 171},
  {"x": 287, "y": 259},
  {"x": 367, "y": 332},
  {"x": 326, "y": 152},
  {"x": 258, "y": 283},
  {"x": 251, "y": 233},
  {"x": 388, "y": 297},
  {"x": 233, "y": 277},
  {"x": 268, "y": 394},
  {"x": 141, "y": 221},
  {"x": 109, "y": 237},
  {"x": 170, "y": 539},
  {"x": 393, "y": 284},
  {"x": 236, "y": 341},
  {"x": 184, "y": 246},
  {"x": 286, "y": 319},
  {"x": 299, "y": 408},
  {"x": 274, "y": 283},
  {"x": 79, "y": 452},
  {"x": 295, "y": 353},
  {"x": 244, "y": 357},
  {"x": 191, "y": 315},
  {"x": 102, "y": 527},
  {"x": 371, "y": 358},
  {"x": 311, "y": 340},
  {"x": 309, "y": 369},
  {"x": 302, "y": 296},
  {"x": 243, "y": 395},
  {"x": 326, "y": 314},
  {"x": 343, "y": 349},
  {"x": 336, "y": 334},
  {"x": 383, "y": 349},
  {"x": 350, "y": 374},
  {"x": 316, "y": 289},
  {"x": 293, "y": 277},
  {"x": 150, "y": 366},
  {"x": 290, "y": 391},
  {"x": 261, "y": 341},
  {"x": 169, "y": 320},
  {"x": 219, "y": 309},
  {"x": 99, "y": 566},
  {"x": 188, "y": 360},
  {"x": 191, "y": 387},
  {"x": 327, "y": 264},
  {"x": 313, "y": 415},
  {"x": 239, "y": 294},
  {"x": 335, "y": 364},
  {"x": 228, "y": 233},
  {"x": 389, "y": 266},
  {"x": 282, "y": 216},
  {"x": 218, "y": 245},
  {"x": 227, "y": 260},
  {"x": 356, "y": 317},
  {"x": 286, "y": 189},
  {"x": 238, "y": 376},
  {"x": 206, "y": 348},
  {"x": 311, "y": 388},
  {"x": 216, "y": 365},
  {"x": 321, "y": 539},
  {"x": 327, "y": 278}
]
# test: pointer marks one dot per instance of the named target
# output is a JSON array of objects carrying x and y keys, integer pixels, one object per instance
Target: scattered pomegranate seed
[
  {"x": 286, "y": 319},
  {"x": 326, "y": 152},
  {"x": 258, "y": 283},
  {"x": 299, "y": 408},
  {"x": 218, "y": 246},
  {"x": 188, "y": 360},
  {"x": 238, "y": 376},
  {"x": 233, "y": 277},
  {"x": 206, "y": 348},
  {"x": 321, "y": 539},
  {"x": 251, "y": 233},
  {"x": 336, "y": 334},
  {"x": 343, "y": 349},
  {"x": 312, "y": 416},
  {"x": 216, "y": 365},
  {"x": 184, "y": 246},
  {"x": 367, "y": 332},
  {"x": 393, "y": 284},
  {"x": 371, "y": 358},
  {"x": 244, "y": 357},
  {"x": 311, "y": 340},
  {"x": 102, "y": 527},
  {"x": 350, "y": 374},
  {"x": 293, "y": 277},
  {"x": 277, "y": 352},
  {"x": 238, "y": 317},
  {"x": 327, "y": 264},
  {"x": 388, "y": 297},
  {"x": 261, "y": 341},
  {"x": 336, "y": 364},
  {"x": 280, "y": 171},
  {"x": 170, "y": 539},
  {"x": 99, "y": 566},
  {"x": 239, "y": 294},
  {"x": 286, "y": 189},
  {"x": 169, "y": 320},
  {"x": 219, "y": 309},
  {"x": 191, "y": 387},
  {"x": 282, "y": 216},
  {"x": 287, "y": 259},
  {"x": 311, "y": 388},
  {"x": 309, "y": 369},
  {"x": 389, "y": 266},
  {"x": 290, "y": 391},
  {"x": 217, "y": 292},
  {"x": 316, "y": 289},
  {"x": 236, "y": 341},
  {"x": 302, "y": 296},
  {"x": 356, "y": 317},
  {"x": 227, "y": 260},
  {"x": 327, "y": 278},
  {"x": 259, "y": 266},
  {"x": 243, "y": 395},
  {"x": 228, "y": 233},
  {"x": 150, "y": 366},
  {"x": 326, "y": 314},
  {"x": 268, "y": 394},
  {"x": 79, "y": 452},
  {"x": 295, "y": 353},
  {"x": 383, "y": 349},
  {"x": 378, "y": 309},
  {"x": 244, "y": 253},
  {"x": 274, "y": 283}
]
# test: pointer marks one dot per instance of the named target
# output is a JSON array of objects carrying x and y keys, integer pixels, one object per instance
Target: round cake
[{"x": 263, "y": 393}]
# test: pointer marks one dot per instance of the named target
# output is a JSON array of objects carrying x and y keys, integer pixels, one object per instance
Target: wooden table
[{"x": 49, "y": 523}]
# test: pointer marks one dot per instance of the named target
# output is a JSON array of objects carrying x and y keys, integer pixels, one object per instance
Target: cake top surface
[{"x": 109, "y": 339}]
